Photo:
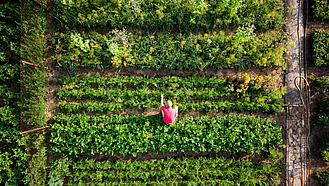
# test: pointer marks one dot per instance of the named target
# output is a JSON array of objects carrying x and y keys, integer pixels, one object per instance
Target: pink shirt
[{"x": 169, "y": 114}]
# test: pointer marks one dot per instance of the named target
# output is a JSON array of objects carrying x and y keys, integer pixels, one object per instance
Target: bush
[
  {"x": 321, "y": 9},
  {"x": 321, "y": 48},
  {"x": 169, "y": 14}
]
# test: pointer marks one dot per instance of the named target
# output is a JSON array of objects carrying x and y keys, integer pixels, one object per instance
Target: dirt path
[
  {"x": 297, "y": 125},
  {"x": 52, "y": 76}
]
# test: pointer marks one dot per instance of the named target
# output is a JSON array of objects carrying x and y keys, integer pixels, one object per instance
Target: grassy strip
[
  {"x": 174, "y": 171},
  {"x": 170, "y": 51},
  {"x": 228, "y": 134},
  {"x": 321, "y": 48},
  {"x": 33, "y": 87},
  {"x": 159, "y": 14},
  {"x": 321, "y": 9},
  {"x": 13, "y": 158}
]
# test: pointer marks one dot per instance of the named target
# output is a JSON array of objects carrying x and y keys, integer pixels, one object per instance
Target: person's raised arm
[{"x": 162, "y": 100}]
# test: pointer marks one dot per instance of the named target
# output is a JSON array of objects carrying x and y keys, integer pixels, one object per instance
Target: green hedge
[
  {"x": 169, "y": 51},
  {"x": 33, "y": 87},
  {"x": 321, "y": 9},
  {"x": 321, "y": 48},
  {"x": 13, "y": 158},
  {"x": 169, "y": 14}
]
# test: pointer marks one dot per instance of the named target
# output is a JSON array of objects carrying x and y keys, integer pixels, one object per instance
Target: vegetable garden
[
  {"x": 229, "y": 126},
  {"x": 103, "y": 114}
]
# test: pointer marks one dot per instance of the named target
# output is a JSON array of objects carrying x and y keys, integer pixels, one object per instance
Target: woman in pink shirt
[{"x": 169, "y": 114}]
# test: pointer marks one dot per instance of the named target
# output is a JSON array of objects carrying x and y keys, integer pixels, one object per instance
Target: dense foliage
[
  {"x": 117, "y": 93},
  {"x": 321, "y": 84},
  {"x": 169, "y": 35},
  {"x": 321, "y": 48},
  {"x": 169, "y": 14},
  {"x": 168, "y": 51},
  {"x": 133, "y": 134},
  {"x": 33, "y": 87},
  {"x": 13, "y": 158},
  {"x": 321, "y": 9},
  {"x": 323, "y": 177},
  {"x": 173, "y": 171}
]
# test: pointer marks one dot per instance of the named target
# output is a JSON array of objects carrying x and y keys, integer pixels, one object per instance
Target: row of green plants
[
  {"x": 151, "y": 134},
  {"x": 98, "y": 107},
  {"x": 194, "y": 93},
  {"x": 98, "y": 81},
  {"x": 321, "y": 9},
  {"x": 33, "y": 87},
  {"x": 13, "y": 158},
  {"x": 167, "y": 51},
  {"x": 211, "y": 170},
  {"x": 170, "y": 14},
  {"x": 321, "y": 48}
]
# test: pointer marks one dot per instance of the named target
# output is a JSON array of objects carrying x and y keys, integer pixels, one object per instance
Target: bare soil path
[{"x": 297, "y": 125}]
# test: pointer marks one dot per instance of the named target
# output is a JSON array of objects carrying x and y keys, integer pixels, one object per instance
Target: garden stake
[
  {"x": 28, "y": 63},
  {"x": 41, "y": 4},
  {"x": 27, "y": 131}
]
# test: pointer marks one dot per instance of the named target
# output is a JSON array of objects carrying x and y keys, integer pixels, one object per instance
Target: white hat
[{"x": 169, "y": 103}]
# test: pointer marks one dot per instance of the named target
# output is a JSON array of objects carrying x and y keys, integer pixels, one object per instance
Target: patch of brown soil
[
  {"x": 131, "y": 71},
  {"x": 52, "y": 73},
  {"x": 262, "y": 157},
  {"x": 132, "y": 112},
  {"x": 192, "y": 113},
  {"x": 151, "y": 112},
  {"x": 313, "y": 71}
]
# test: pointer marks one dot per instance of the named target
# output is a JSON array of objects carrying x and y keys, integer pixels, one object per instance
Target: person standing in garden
[{"x": 169, "y": 114}]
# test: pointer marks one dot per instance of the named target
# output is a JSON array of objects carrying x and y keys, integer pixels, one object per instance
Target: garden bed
[{"x": 319, "y": 132}]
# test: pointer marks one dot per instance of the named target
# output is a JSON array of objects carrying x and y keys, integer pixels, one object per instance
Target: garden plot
[{"x": 107, "y": 114}]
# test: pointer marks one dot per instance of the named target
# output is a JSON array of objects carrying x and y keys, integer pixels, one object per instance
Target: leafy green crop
[
  {"x": 321, "y": 48},
  {"x": 9, "y": 31},
  {"x": 173, "y": 171},
  {"x": 13, "y": 158},
  {"x": 170, "y": 51},
  {"x": 135, "y": 134},
  {"x": 321, "y": 9},
  {"x": 204, "y": 94},
  {"x": 170, "y": 14}
]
